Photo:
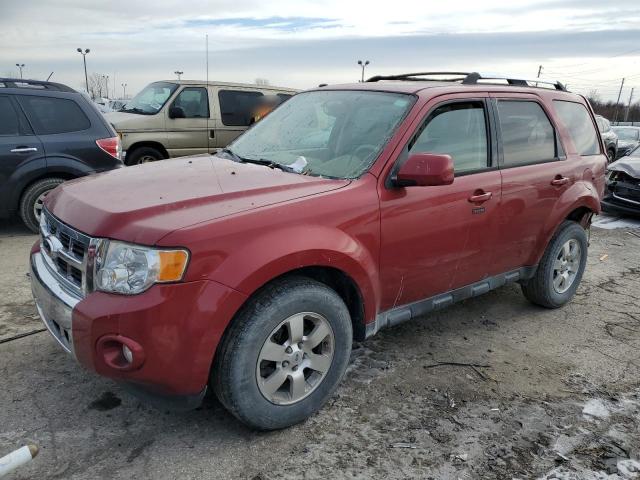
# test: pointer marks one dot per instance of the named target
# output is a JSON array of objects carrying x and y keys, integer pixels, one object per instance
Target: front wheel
[
  {"x": 143, "y": 155},
  {"x": 611, "y": 155},
  {"x": 561, "y": 268},
  {"x": 284, "y": 354}
]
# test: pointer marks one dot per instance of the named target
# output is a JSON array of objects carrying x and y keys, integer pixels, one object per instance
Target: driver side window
[
  {"x": 457, "y": 129},
  {"x": 194, "y": 102}
]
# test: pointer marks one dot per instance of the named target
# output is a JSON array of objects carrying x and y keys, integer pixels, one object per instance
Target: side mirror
[
  {"x": 176, "y": 112},
  {"x": 425, "y": 170}
]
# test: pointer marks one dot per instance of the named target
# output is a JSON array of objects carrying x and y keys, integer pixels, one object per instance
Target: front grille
[{"x": 65, "y": 251}]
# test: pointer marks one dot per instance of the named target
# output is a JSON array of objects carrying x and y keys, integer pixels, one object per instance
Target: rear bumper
[{"x": 178, "y": 327}]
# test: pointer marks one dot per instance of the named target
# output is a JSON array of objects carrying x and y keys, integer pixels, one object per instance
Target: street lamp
[
  {"x": 106, "y": 84},
  {"x": 124, "y": 91},
  {"x": 84, "y": 60},
  {"x": 178, "y": 73},
  {"x": 363, "y": 64},
  {"x": 20, "y": 66}
]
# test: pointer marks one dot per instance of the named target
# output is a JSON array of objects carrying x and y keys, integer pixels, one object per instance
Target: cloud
[{"x": 316, "y": 42}]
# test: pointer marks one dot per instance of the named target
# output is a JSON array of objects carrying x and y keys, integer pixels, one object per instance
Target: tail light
[{"x": 112, "y": 146}]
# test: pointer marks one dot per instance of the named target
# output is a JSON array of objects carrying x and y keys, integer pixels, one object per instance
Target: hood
[
  {"x": 629, "y": 165},
  {"x": 627, "y": 143},
  {"x": 142, "y": 204},
  {"x": 125, "y": 121}
]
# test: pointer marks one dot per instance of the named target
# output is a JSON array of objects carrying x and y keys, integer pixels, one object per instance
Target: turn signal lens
[{"x": 172, "y": 265}]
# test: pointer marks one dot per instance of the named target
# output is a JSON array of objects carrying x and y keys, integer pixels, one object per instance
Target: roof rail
[
  {"x": 471, "y": 78},
  {"x": 35, "y": 84}
]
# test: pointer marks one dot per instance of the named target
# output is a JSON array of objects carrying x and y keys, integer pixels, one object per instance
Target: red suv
[{"x": 348, "y": 209}]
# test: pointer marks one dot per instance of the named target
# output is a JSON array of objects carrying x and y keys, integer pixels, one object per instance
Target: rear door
[
  {"x": 535, "y": 173},
  {"x": 21, "y": 152},
  {"x": 190, "y": 134},
  {"x": 435, "y": 239},
  {"x": 66, "y": 132}
]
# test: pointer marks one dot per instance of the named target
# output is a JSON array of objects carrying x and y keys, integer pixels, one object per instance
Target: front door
[
  {"x": 435, "y": 239},
  {"x": 189, "y": 132}
]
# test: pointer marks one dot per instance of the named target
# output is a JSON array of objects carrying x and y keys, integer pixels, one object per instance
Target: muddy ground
[{"x": 551, "y": 394}]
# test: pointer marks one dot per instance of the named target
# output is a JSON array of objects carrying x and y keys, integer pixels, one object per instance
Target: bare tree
[
  {"x": 97, "y": 86},
  {"x": 263, "y": 82}
]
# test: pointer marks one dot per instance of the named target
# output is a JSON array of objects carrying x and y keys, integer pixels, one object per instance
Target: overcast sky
[{"x": 588, "y": 44}]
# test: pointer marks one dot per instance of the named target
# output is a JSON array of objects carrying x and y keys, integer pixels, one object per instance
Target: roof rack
[
  {"x": 34, "y": 84},
  {"x": 468, "y": 78}
]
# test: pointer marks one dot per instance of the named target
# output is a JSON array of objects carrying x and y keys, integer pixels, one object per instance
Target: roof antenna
[
  {"x": 208, "y": 132},
  {"x": 50, "y": 75}
]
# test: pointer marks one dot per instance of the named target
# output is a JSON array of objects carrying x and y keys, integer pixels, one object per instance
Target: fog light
[{"x": 127, "y": 353}]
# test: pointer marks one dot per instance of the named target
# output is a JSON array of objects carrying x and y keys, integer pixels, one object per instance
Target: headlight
[{"x": 131, "y": 269}]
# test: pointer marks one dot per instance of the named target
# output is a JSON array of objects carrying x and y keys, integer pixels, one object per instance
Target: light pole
[
  {"x": 124, "y": 91},
  {"x": 20, "y": 66},
  {"x": 363, "y": 64},
  {"x": 84, "y": 60},
  {"x": 106, "y": 83},
  {"x": 178, "y": 73}
]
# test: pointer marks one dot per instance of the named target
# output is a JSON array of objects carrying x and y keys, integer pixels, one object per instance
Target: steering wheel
[{"x": 364, "y": 148}]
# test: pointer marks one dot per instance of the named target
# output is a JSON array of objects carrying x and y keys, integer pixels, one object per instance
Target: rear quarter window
[
  {"x": 577, "y": 120},
  {"x": 50, "y": 115}
]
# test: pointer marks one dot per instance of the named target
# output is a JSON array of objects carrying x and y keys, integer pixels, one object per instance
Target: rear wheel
[
  {"x": 284, "y": 355},
  {"x": 32, "y": 201},
  {"x": 611, "y": 155},
  {"x": 561, "y": 269},
  {"x": 143, "y": 155}
]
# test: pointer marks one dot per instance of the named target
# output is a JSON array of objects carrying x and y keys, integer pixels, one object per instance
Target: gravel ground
[{"x": 493, "y": 387}]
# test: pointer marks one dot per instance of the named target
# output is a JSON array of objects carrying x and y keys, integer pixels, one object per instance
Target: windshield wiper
[
  {"x": 134, "y": 110},
  {"x": 258, "y": 161}
]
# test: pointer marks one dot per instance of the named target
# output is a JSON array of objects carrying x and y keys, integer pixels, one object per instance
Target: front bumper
[{"x": 178, "y": 325}]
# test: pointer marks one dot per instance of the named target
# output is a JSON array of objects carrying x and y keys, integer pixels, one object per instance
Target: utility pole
[
  {"x": 626, "y": 113},
  {"x": 539, "y": 71},
  {"x": 20, "y": 66},
  {"x": 615, "y": 116},
  {"x": 363, "y": 64},
  {"x": 84, "y": 59}
]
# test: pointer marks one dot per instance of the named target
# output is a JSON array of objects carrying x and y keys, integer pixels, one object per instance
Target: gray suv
[
  {"x": 608, "y": 136},
  {"x": 49, "y": 133}
]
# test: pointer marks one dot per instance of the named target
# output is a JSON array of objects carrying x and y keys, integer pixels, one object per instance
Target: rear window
[
  {"x": 576, "y": 118},
  {"x": 527, "y": 135},
  {"x": 9, "y": 124},
  {"x": 50, "y": 115},
  {"x": 237, "y": 107}
]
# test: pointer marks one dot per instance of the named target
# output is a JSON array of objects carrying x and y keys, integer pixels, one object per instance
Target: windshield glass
[
  {"x": 336, "y": 134},
  {"x": 627, "y": 134},
  {"x": 151, "y": 99}
]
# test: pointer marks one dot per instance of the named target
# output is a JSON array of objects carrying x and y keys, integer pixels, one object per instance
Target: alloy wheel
[
  {"x": 39, "y": 204},
  {"x": 566, "y": 265},
  {"x": 295, "y": 358}
]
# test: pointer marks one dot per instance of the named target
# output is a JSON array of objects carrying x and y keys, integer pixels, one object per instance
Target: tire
[
  {"x": 547, "y": 288},
  {"x": 611, "y": 155},
  {"x": 31, "y": 201},
  {"x": 143, "y": 155},
  {"x": 240, "y": 370}
]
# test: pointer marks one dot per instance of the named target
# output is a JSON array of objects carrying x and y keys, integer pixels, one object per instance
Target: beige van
[{"x": 172, "y": 118}]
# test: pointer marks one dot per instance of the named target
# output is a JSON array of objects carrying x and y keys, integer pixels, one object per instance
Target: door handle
[
  {"x": 559, "y": 180},
  {"x": 24, "y": 149},
  {"x": 480, "y": 197}
]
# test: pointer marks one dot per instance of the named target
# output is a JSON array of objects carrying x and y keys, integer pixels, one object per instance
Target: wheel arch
[
  {"x": 148, "y": 143},
  {"x": 578, "y": 204}
]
